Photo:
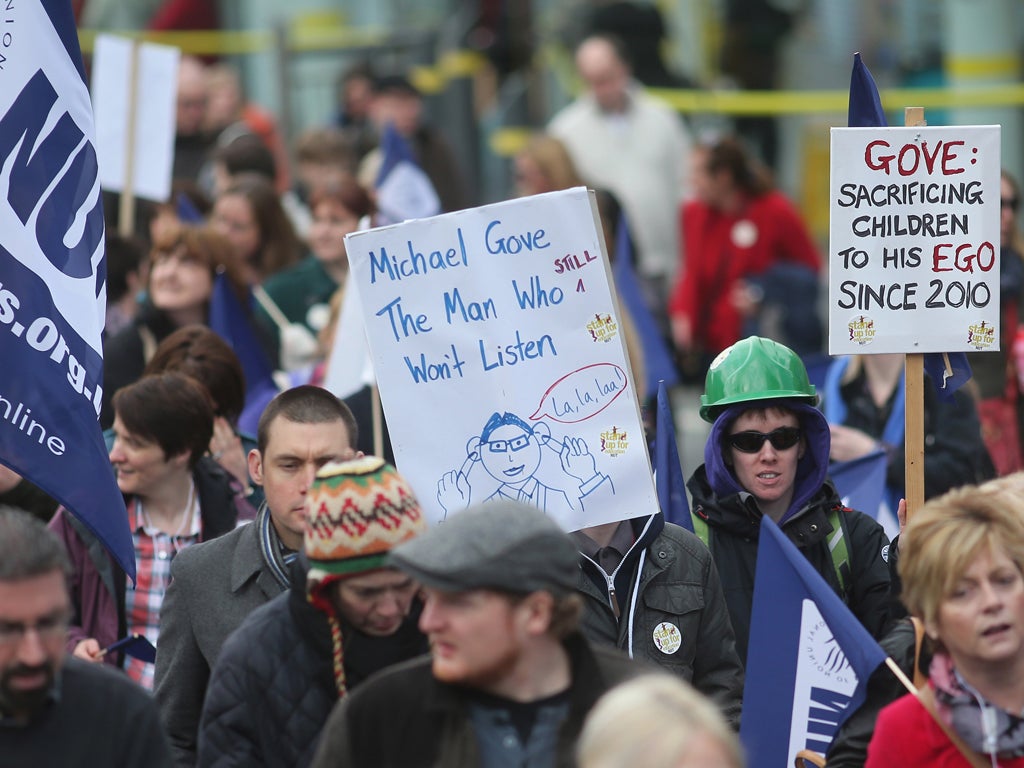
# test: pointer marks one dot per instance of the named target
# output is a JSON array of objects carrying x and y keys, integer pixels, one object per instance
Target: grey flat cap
[{"x": 502, "y": 545}]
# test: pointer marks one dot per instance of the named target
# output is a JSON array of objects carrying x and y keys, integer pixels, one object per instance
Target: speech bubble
[{"x": 584, "y": 393}]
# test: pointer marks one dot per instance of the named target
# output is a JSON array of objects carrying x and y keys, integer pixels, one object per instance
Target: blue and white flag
[
  {"x": 403, "y": 190},
  {"x": 668, "y": 474},
  {"x": 808, "y": 661},
  {"x": 658, "y": 364},
  {"x": 53, "y": 272},
  {"x": 948, "y": 370}
]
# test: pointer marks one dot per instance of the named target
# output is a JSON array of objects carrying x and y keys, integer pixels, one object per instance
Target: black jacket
[
  {"x": 273, "y": 684},
  {"x": 678, "y": 586},
  {"x": 101, "y": 718},
  {"x": 126, "y": 353},
  {"x": 849, "y": 749},
  {"x": 734, "y": 521},
  {"x": 405, "y": 718},
  {"x": 954, "y": 452}
]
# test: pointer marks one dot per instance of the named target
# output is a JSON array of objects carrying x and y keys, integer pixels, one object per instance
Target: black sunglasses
[
  {"x": 751, "y": 441},
  {"x": 1010, "y": 202}
]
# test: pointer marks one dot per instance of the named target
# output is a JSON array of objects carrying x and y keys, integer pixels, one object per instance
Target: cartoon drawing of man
[{"x": 511, "y": 451}]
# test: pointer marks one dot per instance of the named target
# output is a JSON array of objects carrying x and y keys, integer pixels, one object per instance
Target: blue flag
[
  {"x": 134, "y": 645},
  {"x": 658, "y": 363},
  {"x": 187, "y": 210},
  {"x": 949, "y": 371},
  {"x": 53, "y": 275},
  {"x": 808, "y": 661},
  {"x": 861, "y": 485},
  {"x": 668, "y": 474},
  {"x": 403, "y": 190},
  {"x": 230, "y": 320}
]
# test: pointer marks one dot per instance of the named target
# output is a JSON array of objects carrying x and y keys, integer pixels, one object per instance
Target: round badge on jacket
[
  {"x": 744, "y": 233},
  {"x": 667, "y": 638}
]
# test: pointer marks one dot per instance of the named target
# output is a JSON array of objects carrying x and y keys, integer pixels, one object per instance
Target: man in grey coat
[{"x": 216, "y": 585}]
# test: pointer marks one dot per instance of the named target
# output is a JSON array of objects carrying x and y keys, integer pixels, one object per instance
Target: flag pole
[
  {"x": 126, "y": 209},
  {"x": 900, "y": 675},
  {"x": 914, "y": 384}
]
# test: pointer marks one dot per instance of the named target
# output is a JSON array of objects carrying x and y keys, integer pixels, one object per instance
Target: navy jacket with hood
[{"x": 734, "y": 521}]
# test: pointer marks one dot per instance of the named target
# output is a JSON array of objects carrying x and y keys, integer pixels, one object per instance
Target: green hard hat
[{"x": 754, "y": 368}]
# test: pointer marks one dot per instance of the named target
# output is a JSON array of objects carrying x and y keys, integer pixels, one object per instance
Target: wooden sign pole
[
  {"x": 126, "y": 210},
  {"x": 914, "y": 380}
]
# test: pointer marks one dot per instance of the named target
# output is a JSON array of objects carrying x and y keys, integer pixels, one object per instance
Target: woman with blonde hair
[
  {"x": 544, "y": 165},
  {"x": 961, "y": 566},
  {"x": 657, "y": 721}
]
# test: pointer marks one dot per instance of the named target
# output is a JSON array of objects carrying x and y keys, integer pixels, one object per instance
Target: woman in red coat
[
  {"x": 961, "y": 560},
  {"x": 737, "y": 231}
]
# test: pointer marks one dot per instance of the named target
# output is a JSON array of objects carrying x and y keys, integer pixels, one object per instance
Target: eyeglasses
[
  {"x": 504, "y": 446},
  {"x": 49, "y": 628},
  {"x": 1009, "y": 202},
  {"x": 751, "y": 441}
]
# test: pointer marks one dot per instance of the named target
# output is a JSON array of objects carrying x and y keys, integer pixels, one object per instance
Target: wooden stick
[
  {"x": 126, "y": 208},
  {"x": 895, "y": 669},
  {"x": 378, "y": 422},
  {"x": 914, "y": 386}
]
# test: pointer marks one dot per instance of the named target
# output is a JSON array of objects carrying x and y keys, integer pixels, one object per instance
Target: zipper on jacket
[{"x": 612, "y": 598}]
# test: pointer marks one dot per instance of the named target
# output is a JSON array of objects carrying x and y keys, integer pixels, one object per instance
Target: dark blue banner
[{"x": 53, "y": 273}]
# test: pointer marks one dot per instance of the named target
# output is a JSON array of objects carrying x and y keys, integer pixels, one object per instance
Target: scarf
[
  {"x": 985, "y": 727},
  {"x": 278, "y": 560}
]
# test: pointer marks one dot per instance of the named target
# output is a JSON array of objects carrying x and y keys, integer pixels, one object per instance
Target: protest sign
[
  {"x": 495, "y": 339},
  {"x": 914, "y": 239},
  {"x": 53, "y": 273},
  {"x": 148, "y": 114}
]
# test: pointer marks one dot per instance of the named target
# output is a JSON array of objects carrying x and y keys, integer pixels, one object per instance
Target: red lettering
[
  {"x": 913, "y": 150},
  {"x": 949, "y": 156},
  {"x": 937, "y": 257},
  {"x": 879, "y": 162},
  {"x": 929, "y": 158}
]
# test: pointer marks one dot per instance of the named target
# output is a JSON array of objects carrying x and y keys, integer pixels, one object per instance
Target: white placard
[
  {"x": 502, "y": 369},
  {"x": 155, "y": 105},
  {"x": 914, "y": 239}
]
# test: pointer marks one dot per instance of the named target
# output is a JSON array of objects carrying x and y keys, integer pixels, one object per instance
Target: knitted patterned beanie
[{"x": 357, "y": 511}]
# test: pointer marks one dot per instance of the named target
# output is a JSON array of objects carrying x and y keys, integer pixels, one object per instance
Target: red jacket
[
  {"x": 906, "y": 735},
  {"x": 720, "y": 249}
]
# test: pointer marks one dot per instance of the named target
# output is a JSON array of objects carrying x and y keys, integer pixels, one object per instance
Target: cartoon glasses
[{"x": 503, "y": 446}]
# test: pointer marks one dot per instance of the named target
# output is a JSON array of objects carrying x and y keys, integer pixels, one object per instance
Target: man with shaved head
[{"x": 623, "y": 140}]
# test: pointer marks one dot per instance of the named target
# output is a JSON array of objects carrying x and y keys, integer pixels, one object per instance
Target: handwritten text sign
[
  {"x": 914, "y": 240},
  {"x": 497, "y": 346}
]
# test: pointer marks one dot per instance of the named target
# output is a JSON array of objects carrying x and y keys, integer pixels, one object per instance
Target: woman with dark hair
[
  {"x": 743, "y": 242},
  {"x": 175, "y": 496},
  {"x": 299, "y": 297},
  {"x": 249, "y": 214},
  {"x": 184, "y": 262},
  {"x": 204, "y": 356}
]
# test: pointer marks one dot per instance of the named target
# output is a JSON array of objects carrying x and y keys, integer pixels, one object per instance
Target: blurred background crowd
[{"x": 280, "y": 113}]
